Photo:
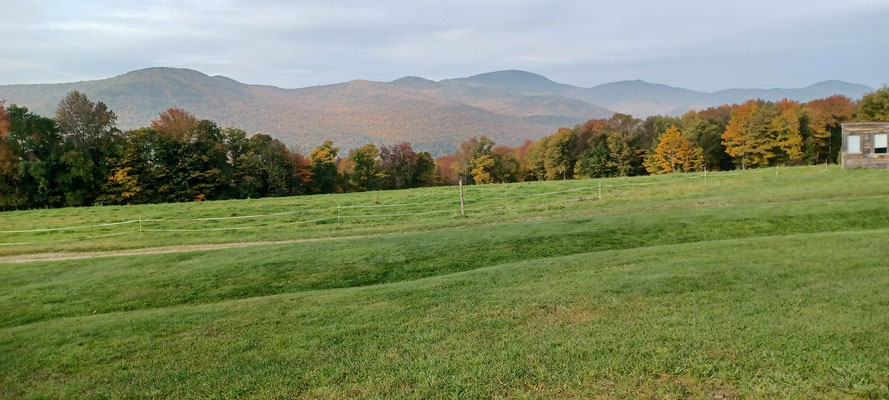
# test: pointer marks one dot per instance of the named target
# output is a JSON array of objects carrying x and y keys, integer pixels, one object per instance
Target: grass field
[{"x": 751, "y": 286}]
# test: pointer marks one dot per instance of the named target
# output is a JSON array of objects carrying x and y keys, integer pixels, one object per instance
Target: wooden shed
[{"x": 866, "y": 145}]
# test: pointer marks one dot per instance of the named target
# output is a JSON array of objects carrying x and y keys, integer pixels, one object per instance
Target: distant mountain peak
[
  {"x": 416, "y": 82},
  {"x": 512, "y": 73},
  {"x": 510, "y": 76},
  {"x": 511, "y": 79},
  {"x": 835, "y": 84},
  {"x": 164, "y": 70}
]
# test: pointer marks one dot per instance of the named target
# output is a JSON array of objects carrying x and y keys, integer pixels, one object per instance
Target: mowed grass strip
[
  {"x": 800, "y": 316},
  {"x": 484, "y": 206},
  {"x": 38, "y": 291}
]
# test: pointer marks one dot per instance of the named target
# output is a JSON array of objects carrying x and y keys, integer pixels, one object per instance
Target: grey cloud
[{"x": 693, "y": 43}]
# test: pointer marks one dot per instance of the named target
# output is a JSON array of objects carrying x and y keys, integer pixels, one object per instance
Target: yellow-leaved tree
[
  {"x": 674, "y": 153},
  {"x": 481, "y": 170},
  {"x": 747, "y": 138},
  {"x": 121, "y": 186},
  {"x": 786, "y": 129}
]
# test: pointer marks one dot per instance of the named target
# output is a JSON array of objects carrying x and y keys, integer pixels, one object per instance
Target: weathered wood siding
[{"x": 867, "y": 158}]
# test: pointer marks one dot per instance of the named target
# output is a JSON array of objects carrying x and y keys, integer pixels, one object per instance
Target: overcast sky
[{"x": 698, "y": 44}]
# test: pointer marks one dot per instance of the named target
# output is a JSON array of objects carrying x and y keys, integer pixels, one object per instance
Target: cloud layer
[{"x": 698, "y": 44}]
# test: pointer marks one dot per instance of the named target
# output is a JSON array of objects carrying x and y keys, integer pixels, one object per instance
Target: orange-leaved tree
[
  {"x": 4, "y": 121},
  {"x": 8, "y": 159},
  {"x": 825, "y": 117},
  {"x": 176, "y": 123}
]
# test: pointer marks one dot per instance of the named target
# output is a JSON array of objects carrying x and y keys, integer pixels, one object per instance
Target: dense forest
[{"x": 81, "y": 158}]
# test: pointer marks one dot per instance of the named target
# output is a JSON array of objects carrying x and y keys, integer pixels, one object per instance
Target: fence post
[
  {"x": 462, "y": 213},
  {"x": 600, "y": 190},
  {"x": 776, "y": 171},
  {"x": 705, "y": 175},
  {"x": 337, "y": 215},
  {"x": 140, "y": 227}
]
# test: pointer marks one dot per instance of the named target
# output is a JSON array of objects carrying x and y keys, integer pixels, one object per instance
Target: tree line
[
  {"x": 754, "y": 134},
  {"x": 79, "y": 157}
]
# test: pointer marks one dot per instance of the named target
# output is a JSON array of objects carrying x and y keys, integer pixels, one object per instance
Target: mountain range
[{"x": 507, "y": 106}]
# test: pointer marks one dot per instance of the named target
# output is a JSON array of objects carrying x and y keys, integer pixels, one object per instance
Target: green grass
[
  {"x": 658, "y": 192},
  {"x": 751, "y": 287}
]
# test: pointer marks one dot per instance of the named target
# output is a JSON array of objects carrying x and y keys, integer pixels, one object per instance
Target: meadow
[{"x": 747, "y": 284}]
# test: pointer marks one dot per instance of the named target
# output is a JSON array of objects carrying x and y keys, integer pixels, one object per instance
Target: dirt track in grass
[{"x": 61, "y": 256}]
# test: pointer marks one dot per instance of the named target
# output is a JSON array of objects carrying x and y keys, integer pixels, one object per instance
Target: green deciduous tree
[
  {"x": 268, "y": 163},
  {"x": 596, "y": 163},
  {"x": 874, "y": 107},
  {"x": 706, "y": 134},
  {"x": 366, "y": 173},
  {"x": 31, "y": 160},
  {"x": 91, "y": 142},
  {"x": 323, "y": 164},
  {"x": 192, "y": 153}
]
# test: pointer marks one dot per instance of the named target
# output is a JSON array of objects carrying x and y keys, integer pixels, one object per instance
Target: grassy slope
[
  {"x": 622, "y": 302},
  {"x": 677, "y": 193}
]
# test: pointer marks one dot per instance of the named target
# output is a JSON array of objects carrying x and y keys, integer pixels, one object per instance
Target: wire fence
[{"x": 342, "y": 212}]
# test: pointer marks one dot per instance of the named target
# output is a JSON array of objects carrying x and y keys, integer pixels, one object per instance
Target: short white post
[
  {"x": 600, "y": 190},
  {"x": 776, "y": 171},
  {"x": 705, "y": 175},
  {"x": 462, "y": 213},
  {"x": 337, "y": 215},
  {"x": 140, "y": 227}
]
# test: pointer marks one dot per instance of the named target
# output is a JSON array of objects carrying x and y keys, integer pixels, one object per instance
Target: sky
[{"x": 697, "y": 44}]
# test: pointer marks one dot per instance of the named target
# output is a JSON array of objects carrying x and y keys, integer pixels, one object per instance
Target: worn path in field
[
  {"x": 71, "y": 255},
  {"x": 60, "y": 256}
]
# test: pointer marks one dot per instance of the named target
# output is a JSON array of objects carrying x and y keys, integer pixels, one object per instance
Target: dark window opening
[{"x": 880, "y": 144}]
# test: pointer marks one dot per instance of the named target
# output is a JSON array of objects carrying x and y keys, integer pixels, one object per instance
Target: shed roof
[{"x": 879, "y": 124}]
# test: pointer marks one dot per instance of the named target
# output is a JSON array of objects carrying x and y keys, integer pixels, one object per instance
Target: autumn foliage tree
[
  {"x": 6, "y": 156},
  {"x": 825, "y": 116},
  {"x": 559, "y": 155},
  {"x": 301, "y": 173},
  {"x": 674, "y": 153},
  {"x": 399, "y": 165},
  {"x": 8, "y": 160},
  {"x": 785, "y": 129},
  {"x": 746, "y": 138},
  {"x": 474, "y": 151},
  {"x": 760, "y": 132},
  {"x": 4, "y": 121},
  {"x": 445, "y": 171},
  {"x": 176, "y": 123}
]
